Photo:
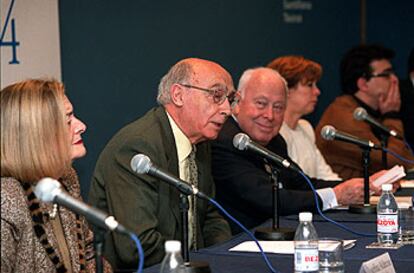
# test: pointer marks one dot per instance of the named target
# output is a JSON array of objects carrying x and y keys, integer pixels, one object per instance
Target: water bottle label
[
  {"x": 387, "y": 223},
  {"x": 306, "y": 259}
]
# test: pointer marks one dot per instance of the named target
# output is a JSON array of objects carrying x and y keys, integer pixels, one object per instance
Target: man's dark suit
[
  {"x": 244, "y": 186},
  {"x": 144, "y": 204}
]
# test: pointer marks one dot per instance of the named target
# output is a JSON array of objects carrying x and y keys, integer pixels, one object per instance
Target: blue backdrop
[{"x": 115, "y": 52}]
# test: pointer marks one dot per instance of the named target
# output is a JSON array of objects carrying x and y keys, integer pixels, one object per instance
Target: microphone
[
  {"x": 361, "y": 114},
  {"x": 242, "y": 142},
  {"x": 49, "y": 190},
  {"x": 142, "y": 164},
  {"x": 329, "y": 132}
]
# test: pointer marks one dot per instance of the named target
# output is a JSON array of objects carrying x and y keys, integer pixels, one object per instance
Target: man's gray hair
[
  {"x": 179, "y": 73},
  {"x": 247, "y": 76}
]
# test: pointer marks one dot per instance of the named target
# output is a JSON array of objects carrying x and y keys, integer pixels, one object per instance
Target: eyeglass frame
[
  {"x": 232, "y": 96},
  {"x": 383, "y": 74}
]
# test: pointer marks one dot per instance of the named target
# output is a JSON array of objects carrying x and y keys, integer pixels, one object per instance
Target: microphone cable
[
  {"x": 248, "y": 232},
  {"x": 399, "y": 156},
  {"x": 141, "y": 164},
  {"x": 408, "y": 146},
  {"x": 134, "y": 237},
  {"x": 344, "y": 227}
]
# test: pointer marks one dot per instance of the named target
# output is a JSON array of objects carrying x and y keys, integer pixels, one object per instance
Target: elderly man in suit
[
  {"x": 194, "y": 97},
  {"x": 243, "y": 179}
]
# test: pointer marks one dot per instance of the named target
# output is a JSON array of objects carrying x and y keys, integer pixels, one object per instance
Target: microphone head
[
  {"x": 360, "y": 113},
  {"x": 328, "y": 132},
  {"x": 141, "y": 163},
  {"x": 240, "y": 141},
  {"x": 47, "y": 189}
]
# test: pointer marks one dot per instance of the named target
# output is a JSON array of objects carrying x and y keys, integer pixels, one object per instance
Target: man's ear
[
  {"x": 362, "y": 84},
  {"x": 177, "y": 93},
  {"x": 236, "y": 109}
]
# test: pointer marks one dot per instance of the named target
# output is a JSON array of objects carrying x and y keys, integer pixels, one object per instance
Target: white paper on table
[
  {"x": 392, "y": 175},
  {"x": 280, "y": 247}
]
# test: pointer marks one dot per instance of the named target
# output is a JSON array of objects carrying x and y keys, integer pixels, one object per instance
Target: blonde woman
[{"x": 40, "y": 136}]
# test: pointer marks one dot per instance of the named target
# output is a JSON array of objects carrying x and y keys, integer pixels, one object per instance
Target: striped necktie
[{"x": 193, "y": 177}]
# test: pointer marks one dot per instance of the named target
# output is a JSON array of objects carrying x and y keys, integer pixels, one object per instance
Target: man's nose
[{"x": 268, "y": 113}]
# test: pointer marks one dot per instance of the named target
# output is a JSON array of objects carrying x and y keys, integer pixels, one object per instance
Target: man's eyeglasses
[
  {"x": 384, "y": 74},
  {"x": 219, "y": 95}
]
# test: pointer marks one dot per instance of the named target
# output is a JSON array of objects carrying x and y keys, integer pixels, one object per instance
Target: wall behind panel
[
  {"x": 115, "y": 52},
  {"x": 392, "y": 24}
]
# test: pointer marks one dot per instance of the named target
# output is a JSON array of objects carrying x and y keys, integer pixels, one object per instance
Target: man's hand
[
  {"x": 350, "y": 192},
  {"x": 391, "y": 102}
]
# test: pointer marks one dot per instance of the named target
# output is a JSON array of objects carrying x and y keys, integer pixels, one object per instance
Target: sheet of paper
[
  {"x": 279, "y": 247},
  {"x": 379, "y": 264},
  {"x": 392, "y": 175}
]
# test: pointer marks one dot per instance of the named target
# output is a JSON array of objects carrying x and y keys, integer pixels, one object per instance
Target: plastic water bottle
[
  {"x": 306, "y": 245},
  {"x": 173, "y": 261},
  {"x": 387, "y": 217}
]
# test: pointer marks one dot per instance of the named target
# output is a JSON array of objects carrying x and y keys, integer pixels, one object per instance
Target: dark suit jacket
[
  {"x": 144, "y": 204},
  {"x": 244, "y": 186},
  {"x": 407, "y": 109}
]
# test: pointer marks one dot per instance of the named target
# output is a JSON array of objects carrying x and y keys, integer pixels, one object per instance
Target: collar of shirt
[
  {"x": 235, "y": 118},
  {"x": 374, "y": 113},
  {"x": 182, "y": 142}
]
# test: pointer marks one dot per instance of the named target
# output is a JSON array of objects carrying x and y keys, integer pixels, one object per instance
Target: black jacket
[{"x": 244, "y": 186}]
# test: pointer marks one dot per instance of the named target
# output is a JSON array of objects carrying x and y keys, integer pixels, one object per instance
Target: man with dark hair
[
  {"x": 357, "y": 63},
  {"x": 368, "y": 81},
  {"x": 407, "y": 101},
  {"x": 194, "y": 101}
]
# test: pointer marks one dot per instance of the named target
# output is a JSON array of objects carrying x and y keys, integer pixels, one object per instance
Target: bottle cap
[
  {"x": 305, "y": 216},
  {"x": 386, "y": 187},
  {"x": 172, "y": 246}
]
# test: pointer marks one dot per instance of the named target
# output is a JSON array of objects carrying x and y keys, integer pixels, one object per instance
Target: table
[{"x": 223, "y": 261}]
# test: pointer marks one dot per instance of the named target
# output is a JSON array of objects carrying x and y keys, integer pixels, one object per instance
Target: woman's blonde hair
[{"x": 35, "y": 140}]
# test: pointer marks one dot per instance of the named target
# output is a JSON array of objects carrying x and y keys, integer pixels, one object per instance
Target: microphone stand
[
  {"x": 384, "y": 143},
  {"x": 366, "y": 208},
  {"x": 99, "y": 239},
  {"x": 184, "y": 218},
  {"x": 195, "y": 266},
  {"x": 275, "y": 233}
]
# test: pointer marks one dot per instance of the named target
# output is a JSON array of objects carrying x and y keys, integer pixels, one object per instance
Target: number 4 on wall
[{"x": 12, "y": 43}]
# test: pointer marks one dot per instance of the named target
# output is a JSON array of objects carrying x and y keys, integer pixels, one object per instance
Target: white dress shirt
[
  {"x": 184, "y": 148},
  {"x": 303, "y": 150}
]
